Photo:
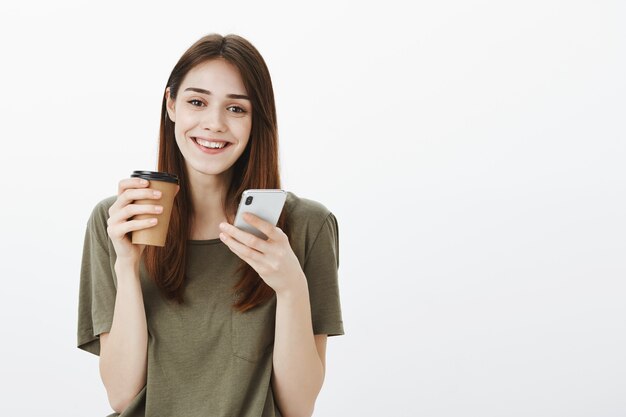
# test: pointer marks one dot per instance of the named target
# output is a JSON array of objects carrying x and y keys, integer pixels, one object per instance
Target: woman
[{"x": 217, "y": 322}]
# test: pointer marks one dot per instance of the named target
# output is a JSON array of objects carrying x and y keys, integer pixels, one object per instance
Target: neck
[{"x": 207, "y": 195}]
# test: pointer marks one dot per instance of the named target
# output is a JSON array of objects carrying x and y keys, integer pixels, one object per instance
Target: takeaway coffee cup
[{"x": 168, "y": 185}]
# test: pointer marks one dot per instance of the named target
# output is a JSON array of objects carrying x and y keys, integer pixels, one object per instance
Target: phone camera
[{"x": 248, "y": 200}]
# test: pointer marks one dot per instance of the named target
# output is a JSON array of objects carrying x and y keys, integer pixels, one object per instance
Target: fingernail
[{"x": 157, "y": 193}]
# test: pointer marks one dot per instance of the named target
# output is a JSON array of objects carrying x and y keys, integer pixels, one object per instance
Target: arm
[
  {"x": 123, "y": 351},
  {"x": 299, "y": 356}
]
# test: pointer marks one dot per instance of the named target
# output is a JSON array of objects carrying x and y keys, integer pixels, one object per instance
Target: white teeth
[{"x": 212, "y": 145}]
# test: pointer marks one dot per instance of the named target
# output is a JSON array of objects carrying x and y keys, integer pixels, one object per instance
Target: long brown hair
[{"x": 257, "y": 167}]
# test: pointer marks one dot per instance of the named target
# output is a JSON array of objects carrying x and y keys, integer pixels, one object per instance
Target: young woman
[{"x": 218, "y": 322}]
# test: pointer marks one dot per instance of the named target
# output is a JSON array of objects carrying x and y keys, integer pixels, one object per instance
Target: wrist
[
  {"x": 124, "y": 265},
  {"x": 298, "y": 288}
]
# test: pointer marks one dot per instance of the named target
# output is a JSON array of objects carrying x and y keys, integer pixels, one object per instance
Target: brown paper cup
[{"x": 156, "y": 235}]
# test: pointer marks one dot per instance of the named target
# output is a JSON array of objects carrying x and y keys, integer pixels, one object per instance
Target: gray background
[{"x": 473, "y": 152}]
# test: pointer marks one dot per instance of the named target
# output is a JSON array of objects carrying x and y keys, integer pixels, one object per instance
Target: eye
[
  {"x": 195, "y": 101},
  {"x": 236, "y": 109}
]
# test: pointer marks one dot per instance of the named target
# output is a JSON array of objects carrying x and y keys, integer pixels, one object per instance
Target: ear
[{"x": 170, "y": 105}]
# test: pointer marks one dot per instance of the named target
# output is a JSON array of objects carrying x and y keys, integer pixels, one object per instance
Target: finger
[
  {"x": 127, "y": 183},
  {"x": 120, "y": 230},
  {"x": 267, "y": 228},
  {"x": 249, "y": 255},
  {"x": 246, "y": 238},
  {"x": 132, "y": 210},
  {"x": 132, "y": 194}
]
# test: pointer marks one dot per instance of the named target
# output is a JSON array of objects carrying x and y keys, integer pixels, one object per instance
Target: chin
[{"x": 208, "y": 170}]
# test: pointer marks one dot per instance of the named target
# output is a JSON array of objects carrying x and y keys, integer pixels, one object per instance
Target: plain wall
[{"x": 472, "y": 151}]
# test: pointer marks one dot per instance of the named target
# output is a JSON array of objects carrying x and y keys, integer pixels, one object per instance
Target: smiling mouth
[{"x": 209, "y": 144}]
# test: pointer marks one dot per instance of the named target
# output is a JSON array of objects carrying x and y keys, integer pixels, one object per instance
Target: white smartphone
[{"x": 266, "y": 204}]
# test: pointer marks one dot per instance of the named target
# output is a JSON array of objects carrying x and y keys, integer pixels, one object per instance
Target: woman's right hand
[{"x": 119, "y": 225}]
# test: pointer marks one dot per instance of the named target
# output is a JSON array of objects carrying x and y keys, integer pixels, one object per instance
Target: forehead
[{"x": 217, "y": 75}]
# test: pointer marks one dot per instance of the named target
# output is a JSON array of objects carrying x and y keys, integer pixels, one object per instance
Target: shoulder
[
  {"x": 102, "y": 207},
  {"x": 314, "y": 235},
  {"x": 105, "y": 204},
  {"x": 307, "y": 220},
  {"x": 100, "y": 214},
  {"x": 305, "y": 211}
]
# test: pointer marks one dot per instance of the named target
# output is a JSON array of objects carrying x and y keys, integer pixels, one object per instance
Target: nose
[{"x": 213, "y": 119}]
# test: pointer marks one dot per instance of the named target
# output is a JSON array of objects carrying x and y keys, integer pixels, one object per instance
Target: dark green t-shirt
[{"x": 205, "y": 358}]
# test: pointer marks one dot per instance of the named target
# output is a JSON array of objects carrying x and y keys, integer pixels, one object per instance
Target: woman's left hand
[{"x": 273, "y": 259}]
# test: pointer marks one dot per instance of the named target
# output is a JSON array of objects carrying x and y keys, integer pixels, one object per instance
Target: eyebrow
[{"x": 207, "y": 92}]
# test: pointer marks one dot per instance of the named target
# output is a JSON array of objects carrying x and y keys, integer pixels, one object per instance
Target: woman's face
[{"x": 212, "y": 116}]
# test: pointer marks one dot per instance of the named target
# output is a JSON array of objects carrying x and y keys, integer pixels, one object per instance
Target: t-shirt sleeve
[
  {"x": 321, "y": 270},
  {"x": 96, "y": 298}
]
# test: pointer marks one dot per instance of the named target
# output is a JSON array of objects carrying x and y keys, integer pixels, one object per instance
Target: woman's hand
[
  {"x": 123, "y": 209},
  {"x": 273, "y": 258}
]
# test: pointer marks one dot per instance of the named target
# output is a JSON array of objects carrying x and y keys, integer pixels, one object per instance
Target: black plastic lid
[{"x": 156, "y": 176}]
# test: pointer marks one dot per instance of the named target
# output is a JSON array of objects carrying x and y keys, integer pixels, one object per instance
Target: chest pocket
[{"x": 252, "y": 332}]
